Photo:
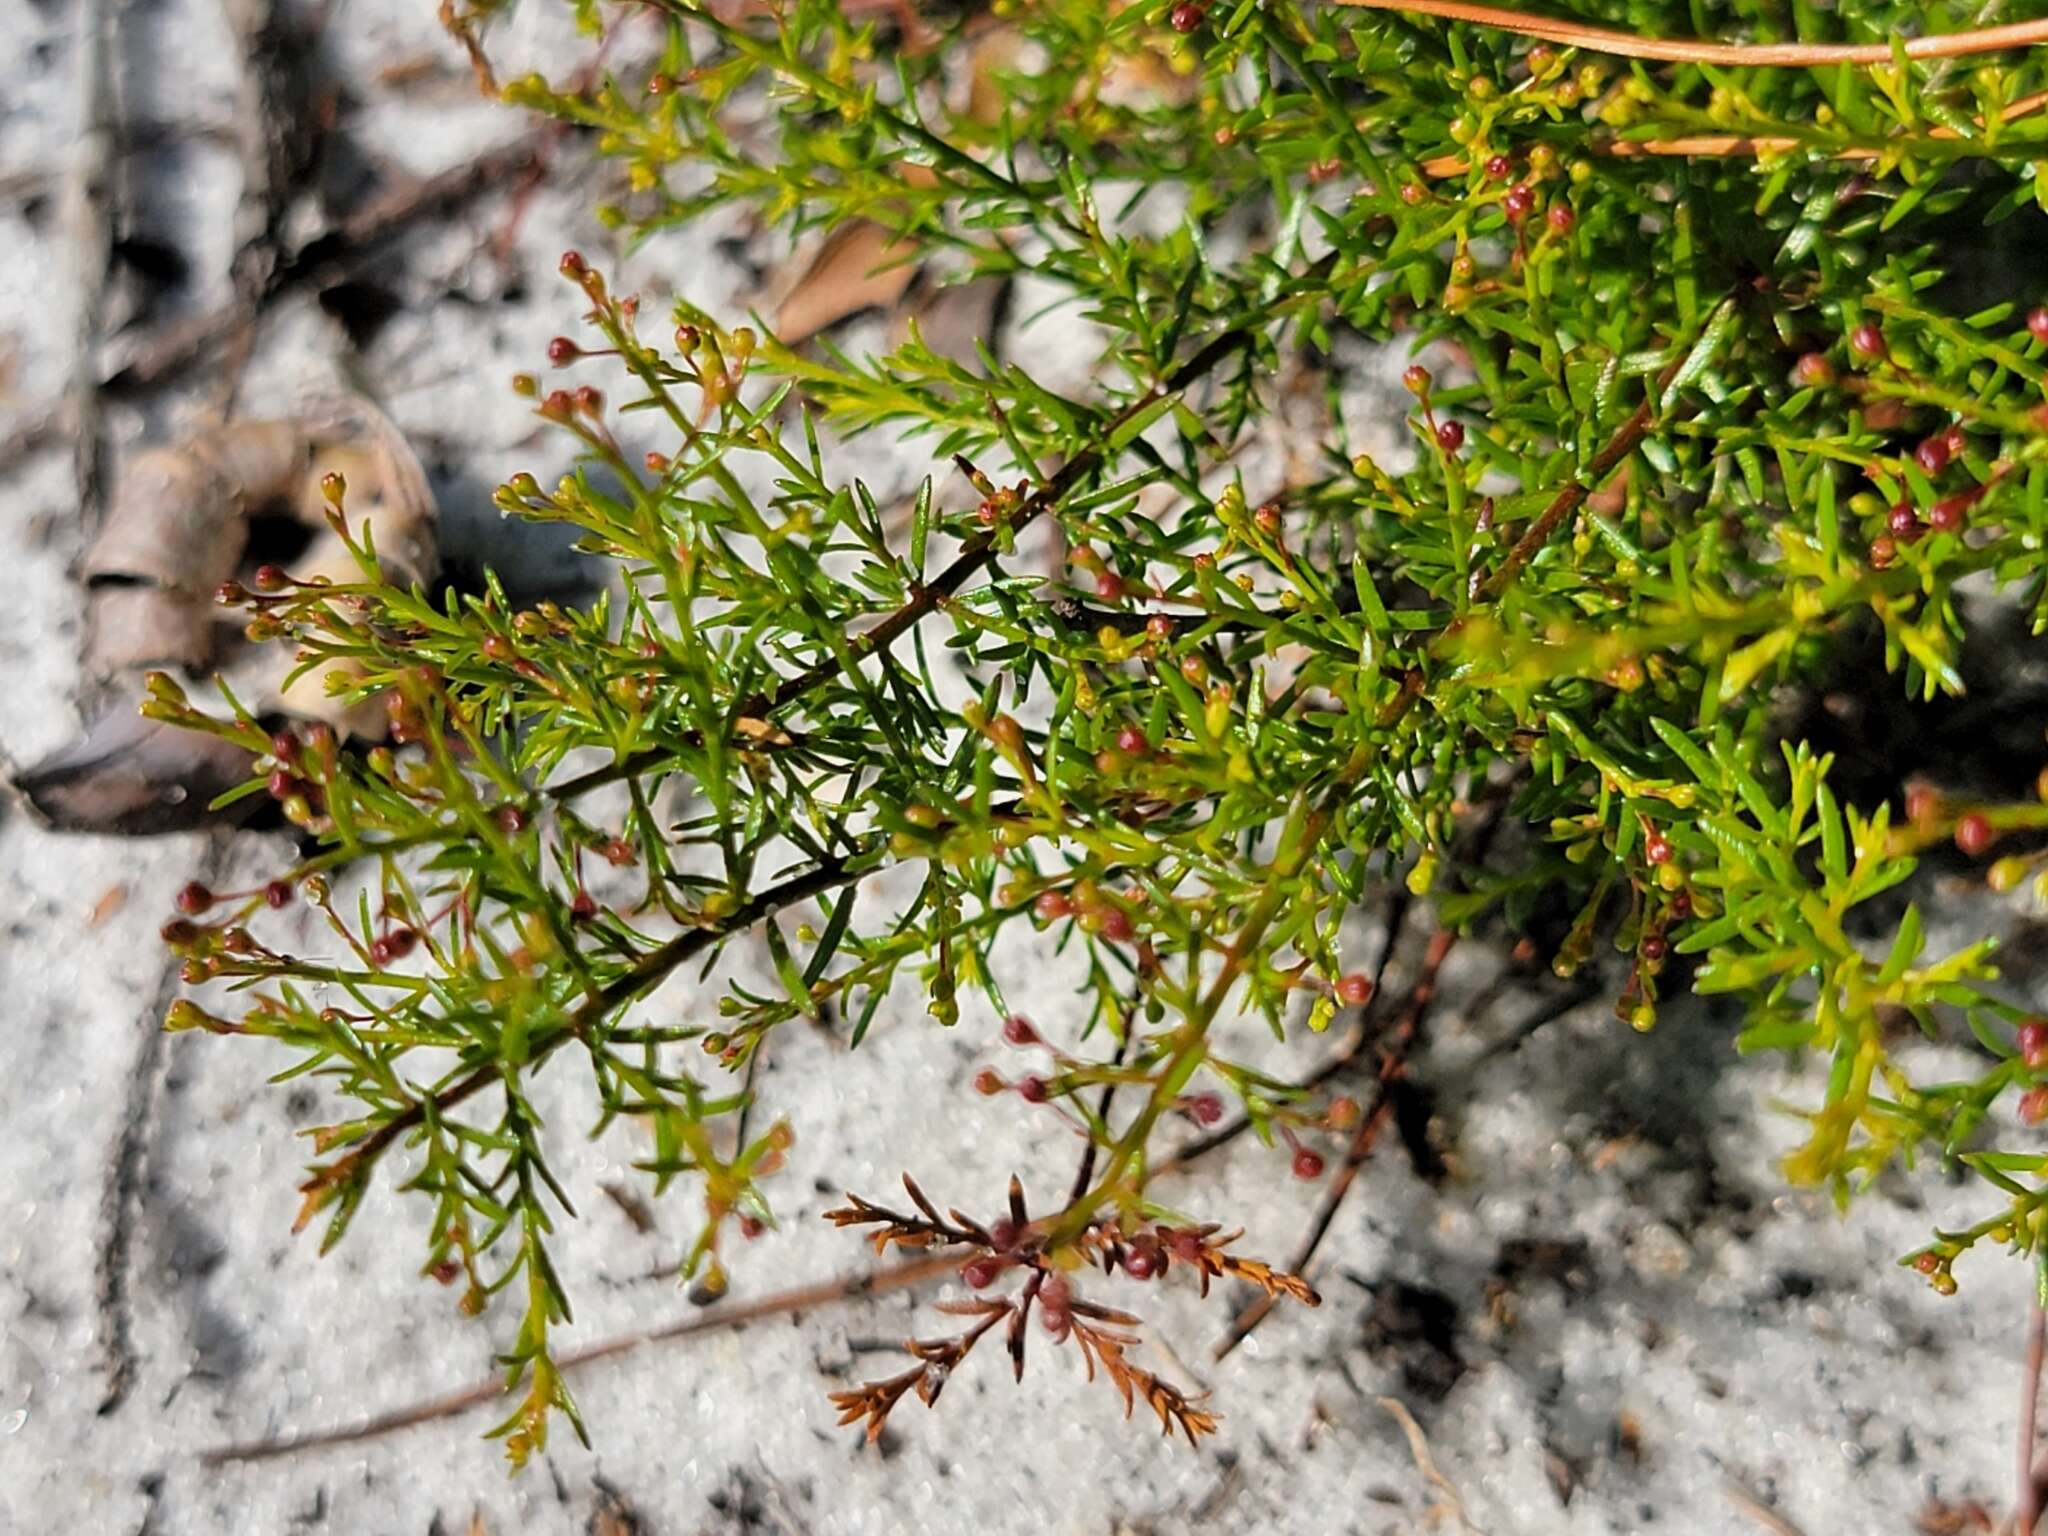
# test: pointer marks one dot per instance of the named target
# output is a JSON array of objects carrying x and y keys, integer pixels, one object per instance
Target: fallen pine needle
[
  {"x": 1759, "y": 1511},
  {"x": 1418, "y": 1447}
]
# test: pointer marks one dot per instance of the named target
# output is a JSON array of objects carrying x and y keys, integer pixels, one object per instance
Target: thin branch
[
  {"x": 719, "y": 1319},
  {"x": 89, "y": 219},
  {"x": 1757, "y": 1510},
  {"x": 1706, "y": 146},
  {"x": 1361, "y": 1032},
  {"x": 1631, "y": 45},
  {"x": 1626, "y": 439},
  {"x": 1449, "y": 1500},
  {"x": 1393, "y": 1062},
  {"x": 128, "y": 1172},
  {"x": 1472, "y": 844},
  {"x": 1086, "y": 1170},
  {"x": 647, "y": 972},
  {"x": 178, "y": 346},
  {"x": 932, "y": 596},
  {"x": 2026, "y": 1514}
]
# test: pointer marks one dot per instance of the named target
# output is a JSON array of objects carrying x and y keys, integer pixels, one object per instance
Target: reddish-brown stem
[
  {"x": 1394, "y": 1050},
  {"x": 1617, "y": 449},
  {"x": 929, "y": 597},
  {"x": 2026, "y": 1512},
  {"x": 648, "y": 971},
  {"x": 1346, "y": 1052},
  {"x": 1678, "y": 50},
  {"x": 717, "y": 1320}
]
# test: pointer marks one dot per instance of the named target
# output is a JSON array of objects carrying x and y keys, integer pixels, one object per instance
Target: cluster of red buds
[{"x": 1091, "y": 908}]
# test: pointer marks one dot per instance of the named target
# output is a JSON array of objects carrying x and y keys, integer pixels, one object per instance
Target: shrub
[{"x": 1700, "y": 424}]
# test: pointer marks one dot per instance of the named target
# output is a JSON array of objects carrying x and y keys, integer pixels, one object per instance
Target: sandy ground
[{"x": 1585, "y": 1281}]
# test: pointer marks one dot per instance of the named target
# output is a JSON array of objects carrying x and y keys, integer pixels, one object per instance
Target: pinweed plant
[{"x": 1168, "y": 667}]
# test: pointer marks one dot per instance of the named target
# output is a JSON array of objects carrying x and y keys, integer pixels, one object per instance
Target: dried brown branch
[
  {"x": 936, "y": 1361},
  {"x": 1105, "y": 1347},
  {"x": 920, "y": 1231},
  {"x": 1449, "y": 1500},
  {"x": 1199, "y": 1248},
  {"x": 721, "y": 1318},
  {"x": 89, "y": 220},
  {"x": 1101, "y": 1333},
  {"x": 178, "y": 346},
  {"x": 1759, "y": 1511}
]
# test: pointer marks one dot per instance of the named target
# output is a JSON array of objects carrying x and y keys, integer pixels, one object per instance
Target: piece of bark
[
  {"x": 132, "y": 775},
  {"x": 178, "y": 528},
  {"x": 175, "y": 530}
]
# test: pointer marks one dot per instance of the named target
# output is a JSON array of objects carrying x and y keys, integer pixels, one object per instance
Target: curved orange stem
[{"x": 1573, "y": 34}]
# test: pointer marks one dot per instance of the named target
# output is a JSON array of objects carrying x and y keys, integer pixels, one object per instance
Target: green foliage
[{"x": 1658, "y": 480}]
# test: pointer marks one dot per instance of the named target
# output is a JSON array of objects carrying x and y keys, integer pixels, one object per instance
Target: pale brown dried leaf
[{"x": 860, "y": 266}]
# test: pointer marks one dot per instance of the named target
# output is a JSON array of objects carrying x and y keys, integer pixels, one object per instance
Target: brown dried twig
[
  {"x": 2026, "y": 1514},
  {"x": 1394, "y": 1050},
  {"x": 1158, "y": 1248},
  {"x": 721, "y": 1318},
  {"x": 89, "y": 217},
  {"x": 1100, "y": 1333},
  {"x": 920, "y": 1231},
  {"x": 874, "y": 1401},
  {"x": 1104, "y": 1347},
  {"x": 178, "y": 346}
]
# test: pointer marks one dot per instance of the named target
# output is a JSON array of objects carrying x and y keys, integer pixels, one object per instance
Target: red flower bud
[
  {"x": 2032, "y": 1040},
  {"x": 982, "y": 1272},
  {"x": 1975, "y": 835},
  {"x": 1051, "y": 906}
]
